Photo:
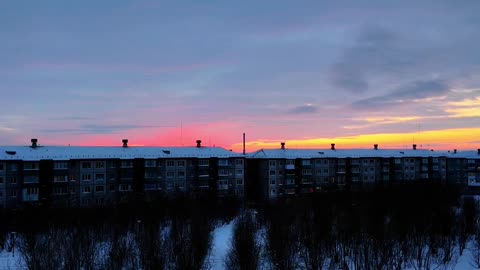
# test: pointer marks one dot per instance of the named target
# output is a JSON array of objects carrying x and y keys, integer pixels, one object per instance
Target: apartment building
[
  {"x": 290, "y": 172},
  {"x": 97, "y": 176}
]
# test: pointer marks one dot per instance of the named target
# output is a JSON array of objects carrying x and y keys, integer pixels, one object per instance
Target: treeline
[{"x": 428, "y": 228}]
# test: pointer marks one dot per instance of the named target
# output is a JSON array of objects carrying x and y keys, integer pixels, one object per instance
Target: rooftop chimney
[
  {"x": 478, "y": 151},
  {"x": 34, "y": 143},
  {"x": 282, "y": 145},
  {"x": 375, "y": 146},
  {"x": 125, "y": 143},
  {"x": 244, "y": 143},
  {"x": 414, "y": 147},
  {"x": 454, "y": 151},
  {"x": 333, "y": 146},
  {"x": 199, "y": 143}
]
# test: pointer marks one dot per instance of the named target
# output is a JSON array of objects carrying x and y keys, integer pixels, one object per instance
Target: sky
[{"x": 308, "y": 73}]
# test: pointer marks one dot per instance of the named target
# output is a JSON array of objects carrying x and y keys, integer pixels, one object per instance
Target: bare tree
[{"x": 244, "y": 252}]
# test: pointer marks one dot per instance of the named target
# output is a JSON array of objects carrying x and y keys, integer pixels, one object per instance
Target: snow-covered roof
[
  {"x": 98, "y": 152},
  {"x": 355, "y": 153}
]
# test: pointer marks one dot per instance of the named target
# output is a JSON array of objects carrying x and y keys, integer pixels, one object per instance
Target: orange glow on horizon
[{"x": 462, "y": 139}]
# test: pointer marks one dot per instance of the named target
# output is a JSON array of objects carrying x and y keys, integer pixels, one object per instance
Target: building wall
[{"x": 97, "y": 182}]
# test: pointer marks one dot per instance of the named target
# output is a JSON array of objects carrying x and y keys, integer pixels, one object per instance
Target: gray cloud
[
  {"x": 404, "y": 95},
  {"x": 304, "y": 109},
  {"x": 375, "y": 51}
]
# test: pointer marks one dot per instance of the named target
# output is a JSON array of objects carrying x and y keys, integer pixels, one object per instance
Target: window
[
  {"x": 239, "y": 162},
  {"x": 290, "y": 181},
  {"x": 111, "y": 188},
  {"x": 86, "y": 189},
  {"x": 72, "y": 190},
  {"x": 435, "y": 160},
  {"x": 13, "y": 193},
  {"x": 203, "y": 162},
  {"x": 60, "y": 190},
  {"x": 272, "y": 163},
  {"x": 170, "y": 163},
  {"x": 181, "y": 174},
  {"x": 13, "y": 179},
  {"x": 273, "y": 191},
  {"x": 60, "y": 165},
  {"x": 223, "y": 162},
  {"x": 86, "y": 177},
  {"x": 99, "y": 164},
  {"x": 272, "y": 182},
  {"x": 99, "y": 189},
  {"x": 86, "y": 165},
  {"x": 290, "y": 162},
  {"x": 30, "y": 166},
  {"x": 306, "y": 162},
  {"x": 1, "y": 194},
  {"x": 126, "y": 164},
  {"x": 150, "y": 163},
  {"x": 32, "y": 191},
  {"x": 150, "y": 174},
  {"x": 170, "y": 174},
  {"x": 181, "y": 184},
  {"x": 181, "y": 163},
  {"x": 325, "y": 171},
  {"x": 272, "y": 173},
  {"x": 60, "y": 178},
  {"x": 13, "y": 167},
  {"x": 73, "y": 178},
  {"x": 398, "y": 161},
  {"x": 306, "y": 171},
  {"x": 223, "y": 172},
  {"x": 1, "y": 179},
  {"x": 239, "y": 181},
  {"x": 223, "y": 183},
  {"x": 99, "y": 176},
  {"x": 1, "y": 167}
]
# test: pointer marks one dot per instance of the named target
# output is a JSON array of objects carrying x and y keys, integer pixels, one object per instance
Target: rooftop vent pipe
[
  {"x": 375, "y": 146},
  {"x": 478, "y": 151},
  {"x": 332, "y": 146},
  {"x": 454, "y": 151},
  {"x": 34, "y": 143},
  {"x": 282, "y": 145},
  {"x": 414, "y": 147},
  {"x": 199, "y": 143},
  {"x": 125, "y": 143},
  {"x": 244, "y": 143}
]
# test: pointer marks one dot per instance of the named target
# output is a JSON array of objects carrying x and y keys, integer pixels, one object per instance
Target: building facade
[
  {"x": 274, "y": 173},
  {"x": 100, "y": 176}
]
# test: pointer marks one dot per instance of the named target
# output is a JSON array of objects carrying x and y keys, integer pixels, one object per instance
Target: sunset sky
[{"x": 309, "y": 73}]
